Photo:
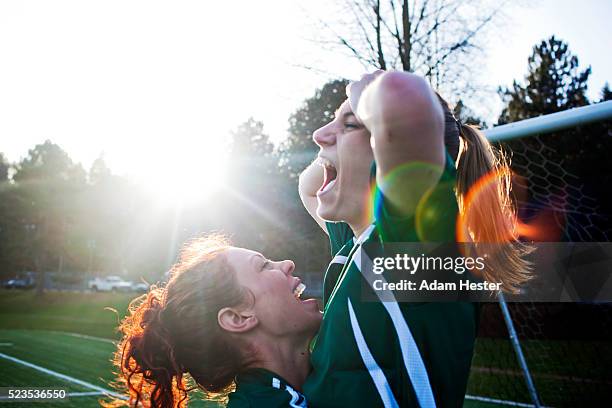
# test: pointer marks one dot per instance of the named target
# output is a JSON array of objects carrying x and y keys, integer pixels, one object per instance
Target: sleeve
[
  {"x": 339, "y": 234},
  {"x": 392, "y": 227},
  {"x": 434, "y": 219}
]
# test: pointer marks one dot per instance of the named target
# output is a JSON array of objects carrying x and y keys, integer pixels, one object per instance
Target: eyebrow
[
  {"x": 345, "y": 115},
  {"x": 255, "y": 256}
]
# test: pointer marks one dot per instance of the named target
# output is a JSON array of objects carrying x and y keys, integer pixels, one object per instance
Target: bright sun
[{"x": 182, "y": 174}]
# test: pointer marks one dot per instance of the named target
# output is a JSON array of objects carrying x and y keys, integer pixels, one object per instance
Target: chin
[
  {"x": 328, "y": 214},
  {"x": 330, "y": 210}
]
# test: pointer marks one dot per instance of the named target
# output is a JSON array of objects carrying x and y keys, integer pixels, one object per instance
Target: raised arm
[
  {"x": 406, "y": 124},
  {"x": 310, "y": 181}
]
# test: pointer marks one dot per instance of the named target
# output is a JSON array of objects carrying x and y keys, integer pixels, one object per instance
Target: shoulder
[
  {"x": 238, "y": 400},
  {"x": 265, "y": 397}
]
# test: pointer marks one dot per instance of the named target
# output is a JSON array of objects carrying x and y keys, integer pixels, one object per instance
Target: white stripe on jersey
[
  {"x": 380, "y": 381},
  {"x": 415, "y": 367},
  {"x": 295, "y": 396},
  {"x": 364, "y": 235},
  {"x": 339, "y": 259}
]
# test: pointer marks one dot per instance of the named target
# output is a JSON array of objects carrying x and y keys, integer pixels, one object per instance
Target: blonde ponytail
[{"x": 487, "y": 215}]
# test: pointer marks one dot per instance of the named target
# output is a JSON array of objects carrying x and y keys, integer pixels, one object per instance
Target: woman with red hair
[{"x": 228, "y": 320}]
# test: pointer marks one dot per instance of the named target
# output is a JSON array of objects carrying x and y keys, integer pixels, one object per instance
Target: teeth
[
  {"x": 299, "y": 290},
  {"x": 329, "y": 186},
  {"x": 321, "y": 161}
]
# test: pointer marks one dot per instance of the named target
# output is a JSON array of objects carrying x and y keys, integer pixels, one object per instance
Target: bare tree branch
[
  {"x": 365, "y": 33},
  {"x": 434, "y": 38},
  {"x": 465, "y": 42},
  {"x": 437, "y": 25},
  {"x": 407, "y": 43},
  {"x": 346, "y": 44},
  {"x": 381, "y": 57},
  {"x": 399, "y": 42},
  {"x": 421, "y": 17}
]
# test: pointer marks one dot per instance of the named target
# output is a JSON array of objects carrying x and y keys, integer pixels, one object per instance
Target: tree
[
  {"x": 298, "y": 150},
  {"x": 606, "y": 93},
  {"x": 47, "y": 180},
  {"x": 48, "y": 161},
  {"x": 251, "y": 154},
  {"x": 4, "y": 168},
  {"x": 250, "y": 140},
  {"x": 433, "y": 38},
  {"x": 99, "y": 171},
  {"x": 465, "y": 115},
  {"x": 553, "y": 83}
]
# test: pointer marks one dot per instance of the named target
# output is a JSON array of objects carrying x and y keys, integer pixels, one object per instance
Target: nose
[
  {"x": 325, "y": 136},
  {"x": 287, "y": 267}
]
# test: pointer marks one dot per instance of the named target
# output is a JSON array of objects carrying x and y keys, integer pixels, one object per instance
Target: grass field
[{"x": 71, "y": 334}]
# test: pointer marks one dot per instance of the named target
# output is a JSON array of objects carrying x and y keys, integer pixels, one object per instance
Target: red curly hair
[{"x": 173, "y": 331}]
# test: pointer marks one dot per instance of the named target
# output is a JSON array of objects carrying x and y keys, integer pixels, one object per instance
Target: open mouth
[
  {"x": 298, "y": 290},
  {"x": 330, "y": 175}
]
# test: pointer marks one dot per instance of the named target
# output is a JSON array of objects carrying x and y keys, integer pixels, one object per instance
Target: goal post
[{"x": 545, "y": 354}]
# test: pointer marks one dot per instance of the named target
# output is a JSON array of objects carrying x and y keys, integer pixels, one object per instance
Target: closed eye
[
  {"x": 265, "y": 265},
  {"x": 352, "y": 126}
]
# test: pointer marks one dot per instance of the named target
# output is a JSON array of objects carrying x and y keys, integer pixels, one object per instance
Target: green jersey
[
  {"x": 260, "y": 388},
  {"x": 388, "y": 354}
]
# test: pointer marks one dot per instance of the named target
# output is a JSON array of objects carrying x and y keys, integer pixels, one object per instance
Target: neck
[
  {"x": 289, "y": 359},
  {"x": 359, "y": 219},
  {"x": 358, "y": 228}
]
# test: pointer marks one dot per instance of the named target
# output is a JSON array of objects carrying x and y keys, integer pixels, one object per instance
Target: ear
[{"x": 236, "y": 321}]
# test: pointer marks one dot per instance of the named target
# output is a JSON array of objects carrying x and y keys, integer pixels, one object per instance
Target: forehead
[
  {"x": 344, "y": 109},
  {"x": 240, "y": 257}
]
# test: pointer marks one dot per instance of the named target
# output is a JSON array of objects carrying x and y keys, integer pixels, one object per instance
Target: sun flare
[{"x": 182, "y": 175}]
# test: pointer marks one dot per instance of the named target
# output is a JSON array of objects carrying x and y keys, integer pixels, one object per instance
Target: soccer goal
[{"x": 552, "y": 354}]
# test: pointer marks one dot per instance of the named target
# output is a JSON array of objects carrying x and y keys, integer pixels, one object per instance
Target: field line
[
  {"x": 499, "y": 401},
  {"x": 84, "y": 394},
  {"x": 62, "y": 376},
  {"x": 71, "y": 334},
  {"x": 83, "y": 336}
]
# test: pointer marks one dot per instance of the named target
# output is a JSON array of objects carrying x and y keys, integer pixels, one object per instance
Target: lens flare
[
  {"x": 481, "y": 218},
  {"x": 546, "y": 224},
  {"x": 435, "y": 211},
  {"x": 436, "y": 214}
]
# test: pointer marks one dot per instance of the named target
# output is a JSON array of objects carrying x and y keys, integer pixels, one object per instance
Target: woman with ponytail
[
  {"x": 229, "y": 322},
  {"x": 433, "y": 180}
]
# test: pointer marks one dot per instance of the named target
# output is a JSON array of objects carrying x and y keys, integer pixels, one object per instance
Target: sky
[{"x": 150, "y": 83}]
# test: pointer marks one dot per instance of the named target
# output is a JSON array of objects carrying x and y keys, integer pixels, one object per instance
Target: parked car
[
  {"x": 109, "y": 283},
  {"x": 19, "y": 284},
  {"x": 140, "y": 287}
]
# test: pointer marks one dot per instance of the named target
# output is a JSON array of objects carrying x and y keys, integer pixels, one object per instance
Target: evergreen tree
[
  {"x": 251, "y": 154},
  {"x": 249, "y": 139},
  {"x": 99, "y": 171},
  {"x": 553, "y": 83},
  {"x": 606, "y": 93},
  {"x": 465, "y": 115},
  {"x": 298, "y": 150}
]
